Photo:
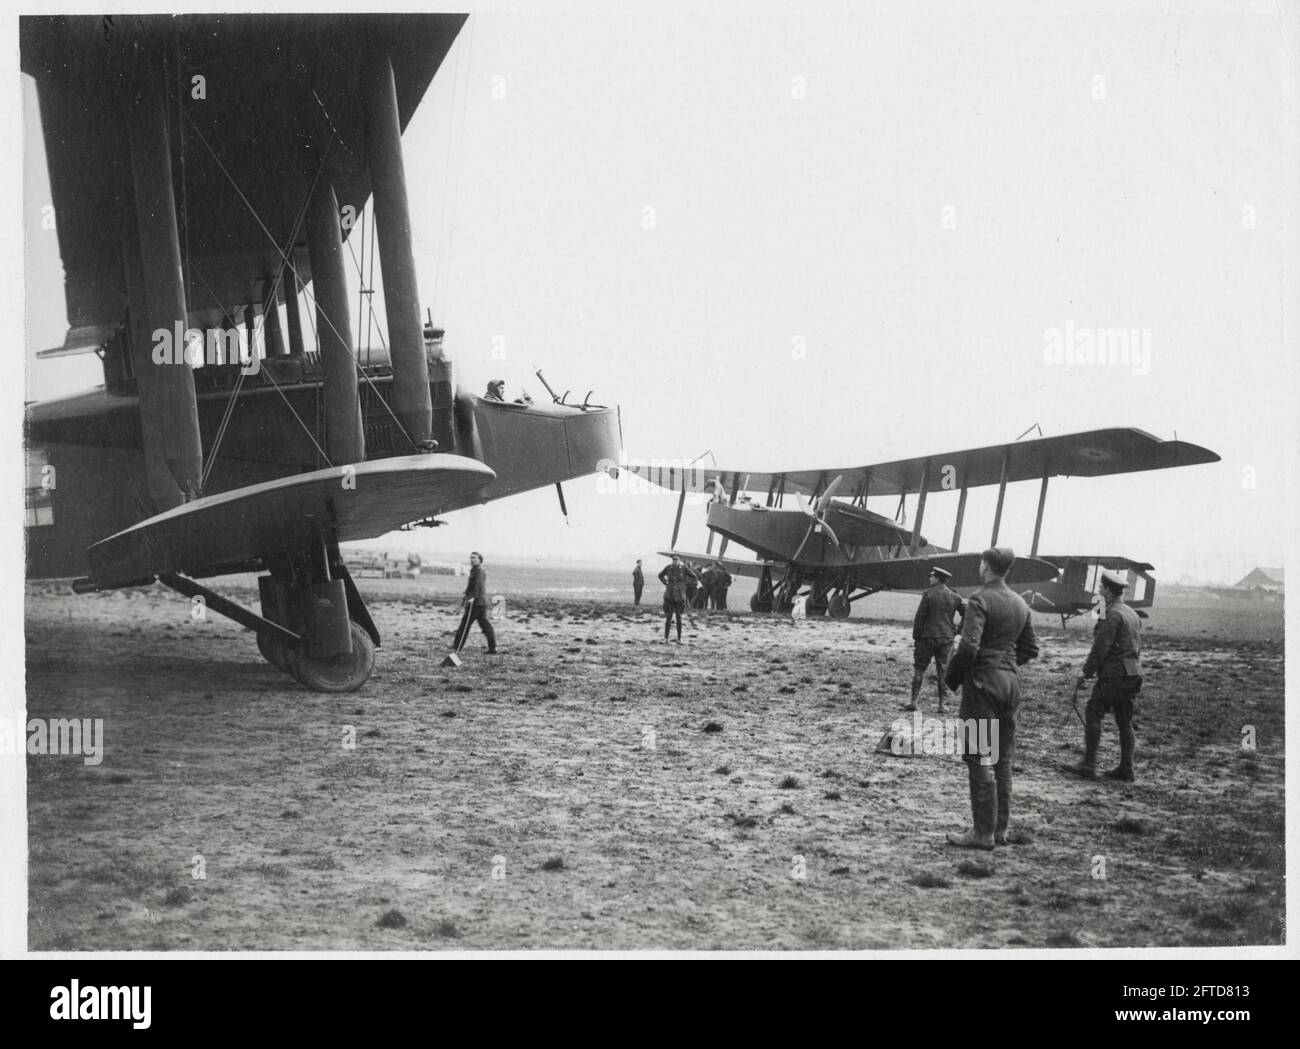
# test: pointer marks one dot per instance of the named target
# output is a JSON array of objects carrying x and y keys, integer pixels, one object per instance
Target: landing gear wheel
[
  {"x": 839, "y": 607},
  {"x": 275, "y": 652},
  {"x": 345, "y": 673}
]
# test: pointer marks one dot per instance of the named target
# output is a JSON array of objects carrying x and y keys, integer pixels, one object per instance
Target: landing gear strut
[
  {"x": 314, "y": 597},
  {"x": 314, "y": 625}
]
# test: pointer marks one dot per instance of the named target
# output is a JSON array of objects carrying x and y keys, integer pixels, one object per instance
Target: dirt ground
[{"x": 594, "y": 789}]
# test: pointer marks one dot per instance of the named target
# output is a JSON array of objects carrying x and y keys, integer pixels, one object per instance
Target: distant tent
[{"x": 1268, "y": 578}]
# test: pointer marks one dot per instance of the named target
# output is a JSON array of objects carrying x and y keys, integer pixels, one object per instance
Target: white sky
[{"x": 1103, "y": 170}]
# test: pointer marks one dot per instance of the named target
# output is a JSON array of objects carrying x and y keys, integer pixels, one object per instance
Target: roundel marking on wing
[{"x": 1092, "y": 453}]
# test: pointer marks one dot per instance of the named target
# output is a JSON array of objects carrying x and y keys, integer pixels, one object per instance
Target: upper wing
[
  {"x": 359, "y": 502},
  {"x": 1093, "y": 454},
  {"x": 278, "y": 90}
]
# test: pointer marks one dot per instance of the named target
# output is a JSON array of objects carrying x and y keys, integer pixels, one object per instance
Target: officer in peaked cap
[
  {"x": 1115, "y": 660},
  {"x": 933, "y": 632}
]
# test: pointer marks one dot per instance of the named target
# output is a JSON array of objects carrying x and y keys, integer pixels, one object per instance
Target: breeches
[
  {"x": 926, "y": 649},
  {"x": 1113, "y": 695},
  {"x": 992, "y": 722}
]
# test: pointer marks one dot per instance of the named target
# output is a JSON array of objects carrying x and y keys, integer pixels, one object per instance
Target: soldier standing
[
  {"x": 638, "y": 582},
  {"x": 933, "y": 632},
  {"x": 1115, "y": 660},
  {"x": 997, "y": 637},
  {"x": 475, "y": 604},
  {"x": 675, "y": 578},
  {"x": 708, "y": 580},
  {"x": 721, "y": 584}
]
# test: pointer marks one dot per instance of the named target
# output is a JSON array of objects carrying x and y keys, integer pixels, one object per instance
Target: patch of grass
[
  {"x": 833, "y": 795},
  {"x": 1064, "y": 938},
  {"x": 1130, "y": 825},
  {"x": 929, "y": 880},
  {"x": 392, "y": 919},
  {"x": 272, "y": 871},
  {"x": 291, "y": 814},
  {"x": 555, "y": 863},
  {"x": 321, "y": 863},
  {"x": 790, "y": 783},
  {"x": 131, "y": 878},
  {"x": 722, "y": 770},
  {"x": 787, "y": 808},
  {"x": 975, "y": 869},
  {"x": 178, "y": 897},
  {"x": 446, "y": 929},
  {"x": 741, "y": 822},
  {"x": 712, "y": 726}
]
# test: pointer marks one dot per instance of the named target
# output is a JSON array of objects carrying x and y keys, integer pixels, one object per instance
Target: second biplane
[{"x": 836, "y": 551}]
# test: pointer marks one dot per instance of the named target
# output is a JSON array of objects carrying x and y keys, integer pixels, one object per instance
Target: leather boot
[
  {"x": 916, "y": 692},
  {"x": 943, "y": 693},
  {"x": 984, "y": 811},
  {"x": 1002, "y": 775},
  {"x": 1087, "y": 768},
  {"x": 1127, "y": 744}
]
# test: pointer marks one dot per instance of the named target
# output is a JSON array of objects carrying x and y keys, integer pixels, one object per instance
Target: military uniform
[
  {"x": 721, "y": 584},
  {"x": 704, "y": 597},
  {"x": 997, "y": 637},
  {"x": 932, "y": 636},
  {"x": 677, "y": 580},
  {"x": 638, "y": 583},
  {"x": 476, "y": 611},
  {"x": 1115, "y": 660}
]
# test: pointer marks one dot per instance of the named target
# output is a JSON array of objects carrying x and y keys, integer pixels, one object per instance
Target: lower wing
[{"x": 262, "y": 520}]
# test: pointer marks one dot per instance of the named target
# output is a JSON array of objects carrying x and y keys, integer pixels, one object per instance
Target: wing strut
[
  {"x": 920, "y": 510},
  {"x": 1002, "y": 494},
  {"x": 681, "y": 505},
  {"x": 1038, "y": 521},
  {"x": 961, "y": 514}
]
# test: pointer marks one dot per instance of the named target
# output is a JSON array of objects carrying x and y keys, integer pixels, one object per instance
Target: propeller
[{"x": 817, "y": 511}]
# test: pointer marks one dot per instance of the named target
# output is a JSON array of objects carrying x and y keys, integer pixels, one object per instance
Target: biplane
[
  {"x": 1077, "y": 590},
  {"x": 206, "y": 173},
  {"x": 833, "y": 550}
]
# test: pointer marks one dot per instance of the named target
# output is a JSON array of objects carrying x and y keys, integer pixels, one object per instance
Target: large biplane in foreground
[
  {"x": 834, "y": 550},
  {"x": 206, "y": 170}
]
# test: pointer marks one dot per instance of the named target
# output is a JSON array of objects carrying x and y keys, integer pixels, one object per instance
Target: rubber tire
[
  {"x": 275, "y": 652},
  {"x": 839, "y": 607},
  {"x": 336, "y": 674}
]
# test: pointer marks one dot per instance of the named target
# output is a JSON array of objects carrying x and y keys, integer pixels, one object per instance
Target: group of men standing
[
  {"x": 702, "y": 590},
  {"x": 996, "y": 639}
]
